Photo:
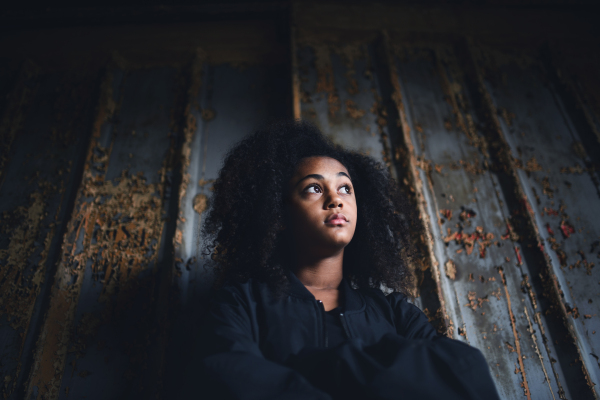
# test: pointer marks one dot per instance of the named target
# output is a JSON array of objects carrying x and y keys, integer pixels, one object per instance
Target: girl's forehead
[{"x": 319, "y": 164}]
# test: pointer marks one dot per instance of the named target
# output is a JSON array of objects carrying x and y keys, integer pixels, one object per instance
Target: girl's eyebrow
[
  {"x": 344, "y": 174},
  {"x": 321, "y": 177},
  {"x": 316, "y": 176}
]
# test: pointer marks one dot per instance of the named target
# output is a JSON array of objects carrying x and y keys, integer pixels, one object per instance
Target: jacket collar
[{"x": 351, "y": 298}]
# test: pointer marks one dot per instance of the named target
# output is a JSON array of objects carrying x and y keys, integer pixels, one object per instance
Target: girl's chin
[{"x": 338, "y": 242}]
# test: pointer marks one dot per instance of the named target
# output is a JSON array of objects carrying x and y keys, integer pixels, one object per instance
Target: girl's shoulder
[
  {"x": 409, "y": 320},
  {"x": 392, "y": 299}
]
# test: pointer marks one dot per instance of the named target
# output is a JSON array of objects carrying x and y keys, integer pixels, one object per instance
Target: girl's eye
[
  {"x": 313, "y": 189},
  {"x": 345, "y": 189}
]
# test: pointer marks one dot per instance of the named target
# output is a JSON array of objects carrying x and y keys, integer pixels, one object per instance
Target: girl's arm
[
  {"x": 229, "y": 364},
  {"x": 415, "y": 363}
]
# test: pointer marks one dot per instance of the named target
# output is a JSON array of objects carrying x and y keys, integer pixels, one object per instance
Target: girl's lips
[{"x": 336, "y": 219}]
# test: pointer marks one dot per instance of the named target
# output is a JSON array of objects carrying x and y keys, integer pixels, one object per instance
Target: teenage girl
[{"x": 303, "y": 235}]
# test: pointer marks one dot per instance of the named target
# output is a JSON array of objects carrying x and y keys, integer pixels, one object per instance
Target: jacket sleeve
[
  {"x": 411, "y": 322},
  {"x": 416, "y": 363},
  {"x": 233, "y": 366}
]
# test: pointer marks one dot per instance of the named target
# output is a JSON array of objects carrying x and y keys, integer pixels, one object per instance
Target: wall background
[{"x": 115, "y": 119}]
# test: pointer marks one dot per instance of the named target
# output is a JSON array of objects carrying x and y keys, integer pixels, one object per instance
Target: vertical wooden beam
[
  {"x": 415, "y": 180},
  {"x": 40, "y": 186},
  {"x": 52, "y": 345},
  {"x": 500, "y": 150}
]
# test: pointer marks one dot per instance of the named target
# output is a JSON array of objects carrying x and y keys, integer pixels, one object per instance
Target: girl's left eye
[
  {"x": 313, "y": 189},
  {"x": 345, "y": 189}
]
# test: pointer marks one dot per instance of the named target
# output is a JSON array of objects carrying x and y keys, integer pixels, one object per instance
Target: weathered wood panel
[
  {"x": 339, "y": 93},
  {"x": 561, "y": 188},
  {"x": 480, "y": 267},
  {"x": 42, "y": 146},
  {"x": 101, "y": 317}
]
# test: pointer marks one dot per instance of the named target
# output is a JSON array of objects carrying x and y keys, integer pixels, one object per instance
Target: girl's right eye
[{"x": 312, "y": 189}]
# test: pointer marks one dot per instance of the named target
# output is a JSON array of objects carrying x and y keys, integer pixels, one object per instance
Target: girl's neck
[{"x": 321, "y": 273}]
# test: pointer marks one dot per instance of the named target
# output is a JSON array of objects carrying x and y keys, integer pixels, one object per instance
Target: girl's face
[{"x": 322, "y": 206}]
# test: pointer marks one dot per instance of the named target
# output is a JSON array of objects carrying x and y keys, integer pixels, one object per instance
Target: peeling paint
[
  {"x": 414, "y": 179},
  {"x": 29, "y": 230},
  {"x": 15, "y": 297},
  {"x": 325, "y": 80},
  {"x": 553, "y": 193},
  {"x": 537, "y": 350},
  {"x": 200, "y": 203},
  {"x": 450, "y": 269},
  {"x": 115, "y": 231},
  {"x": 515, "y": 336},
  {"x": 190, "y": 122},
  {"x": 461, "y": 167},
  {"x": 55, "y": 338}
]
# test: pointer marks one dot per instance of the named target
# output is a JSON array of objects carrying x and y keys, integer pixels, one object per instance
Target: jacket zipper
[
  {"x": 324, "y": 322},
  {"x": 345, "y": 325}
]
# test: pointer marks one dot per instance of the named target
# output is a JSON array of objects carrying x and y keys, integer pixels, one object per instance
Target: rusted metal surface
[
  {"x": 47, "y": 114},
  {"x": 473, "y": 237},
  {"x": 104, "y": 178},
  {"x": 339, "y": 93},
  {"x": 561, "y": 187},
  {"x": 101, "y": 314},
  {"x": 406, "y": 157}
]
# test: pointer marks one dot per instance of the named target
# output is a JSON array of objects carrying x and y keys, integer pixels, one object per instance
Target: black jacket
[{"x": 256, "y": 346}]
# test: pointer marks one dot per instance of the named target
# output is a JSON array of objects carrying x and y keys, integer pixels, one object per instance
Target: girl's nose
[{"x": 334, "y": 202}]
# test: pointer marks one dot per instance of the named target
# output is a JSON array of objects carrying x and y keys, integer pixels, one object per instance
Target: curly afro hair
[{"x": 244, "y": 230}]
